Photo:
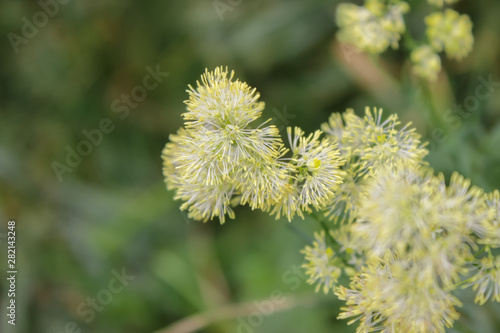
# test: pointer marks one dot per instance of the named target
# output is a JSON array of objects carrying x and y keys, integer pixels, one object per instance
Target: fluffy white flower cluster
[
  {"x": 220, "y": 159},
  {"x": 406, "y": 239},
  {"x": 419, "y": 240},
  {"x": 379, "y": 24}
]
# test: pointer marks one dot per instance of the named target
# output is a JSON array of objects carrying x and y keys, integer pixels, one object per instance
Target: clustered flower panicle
[
  {"x": 451, "y": 32},
  {"x": 405, "y": 237},
  {"x": 373, "y": 27},
  {"x": 426, "y": 62},
  {"x": 220, "y": 159},
  {"x": 390, "y": 295},
  {"x": 420, "y": 239},
  {"x": 379, "y": 24},
  {"x": 367, "y": 143},
  {"x": 323, "y": 266}
]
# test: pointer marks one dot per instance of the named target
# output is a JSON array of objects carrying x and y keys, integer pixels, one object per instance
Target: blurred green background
[{"x": 110, "y": 213}]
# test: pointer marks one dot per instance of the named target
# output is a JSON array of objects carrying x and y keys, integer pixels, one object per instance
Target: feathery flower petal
[
  {"x": 315, "y": 174},
  {"x": 486, "y": 281}
]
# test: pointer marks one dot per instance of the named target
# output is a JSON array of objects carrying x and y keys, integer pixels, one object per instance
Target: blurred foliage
[{"x": 112, "y": 212}]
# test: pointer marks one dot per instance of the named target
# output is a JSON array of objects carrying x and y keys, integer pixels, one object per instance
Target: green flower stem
[
  {"x": 480, "y": 251},
  {"x": 409, "y": 43}
]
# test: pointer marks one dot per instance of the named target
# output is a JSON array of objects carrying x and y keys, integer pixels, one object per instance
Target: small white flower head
[
  {"x": 193, "y": 158},
  {"x": 220, "y": 159},
  {"x": 261, "y": 183},
  {"x": 492, "y": 224},
  {"x": 372, "y": 28},
  {"x": 334, "y": 128},
  {"x": 413, "y": 214},
  {"x": 339, "y": 126},
  {"x": 359, "y": 27},
  {"x": 385, "y": 145},
  {"x": 451, "y": 32},
  {"x": 398, "y": 211},
  {"x": 288, "y": 203},
  {"x": 418, "y": 305},
  {"x": 390, "y": 14},
  {"x": 486, "y": 280},
  {"x": 346, "y": 199},
  {"x": 393, "y": 296},
  {"x": 367, "y": 144},
  {"x": 203, "y": 201},
  {"x": 371, "y": 142},
  {"x": 466, "y": 206},
  {"x": 219, "y": 115},
  {"x": 317, "y": 163},
  {"x": 322, "y": 266},
  {"x": 315, "y": 174},
  {"x": 426, "y": 62},
  {"x": 350, "y": 248},
  {"x": 207, "y": 201},
  {"x": 354, "y": 134},
  {"x": 219, "y": 101},
  {"x": 463, "y": 216}
]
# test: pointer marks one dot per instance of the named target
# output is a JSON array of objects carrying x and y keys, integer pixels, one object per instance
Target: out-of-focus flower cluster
[
  {"x": 368, "y": 143},
  {"x": 450, "y": 32},
  {"x": 379, "y": 24},
  {"x": 373, "y": 27},
  {"x": 411, "y": 238},
  {"x": 405, "y": 237}
]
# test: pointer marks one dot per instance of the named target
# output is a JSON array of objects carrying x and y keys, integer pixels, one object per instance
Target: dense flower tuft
[
  {"x": 372, "y": 28},
  {"x": 451, "y": 32},
  {"x": 392, "y": 296},
  {"x": 220, "y": 159},
  {"x": 426, "y": 62},
  {"x": 367, "y": 144},
  {"x": 322, "y": 265},
  {"x": 379, "y": 24},
  {"x": 314, "y": 173}
]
